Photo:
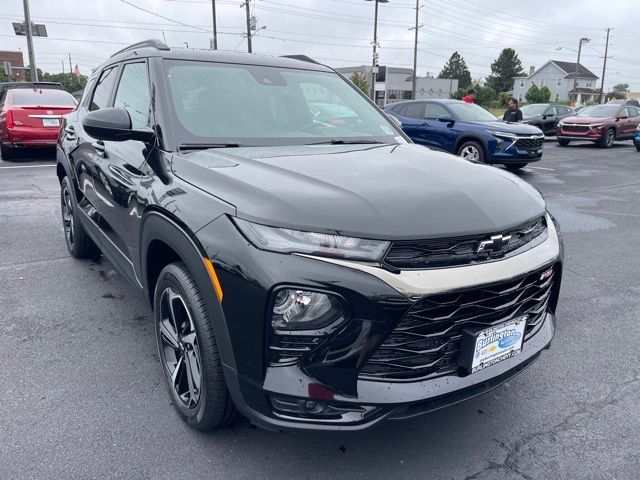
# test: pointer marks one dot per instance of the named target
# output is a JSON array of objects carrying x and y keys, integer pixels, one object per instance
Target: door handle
[
  {"x": 70, "y": 131},
  {"x": 98, "y": 145}
]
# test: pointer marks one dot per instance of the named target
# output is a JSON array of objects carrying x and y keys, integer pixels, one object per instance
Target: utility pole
[
  {"x": 62, "y": 62},
  {"x": 70, "y": 66},
  {"x": 575, "y": 77},
  {"x": 247, "y": 8},
  {"x": 604, "y": 65},
  {"x": 415, "y": 52},
  {"x": 214, "y": 45},
  {"x": 32, "y": 57}
]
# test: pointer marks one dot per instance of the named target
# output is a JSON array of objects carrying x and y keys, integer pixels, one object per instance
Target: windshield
[
  {"x": 251, "y": 105},
  {"x": 45, "y": 98},
  {"x": 531, "y": 110},
  {"x": 470, "y": 112},
  {"x": 603, "y": 111}
]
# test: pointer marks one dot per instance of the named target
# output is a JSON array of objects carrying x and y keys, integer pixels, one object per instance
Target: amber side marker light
[{"x": 214, "y": 278}]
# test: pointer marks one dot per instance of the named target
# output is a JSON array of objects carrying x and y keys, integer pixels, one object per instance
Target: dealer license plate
[
  {"x": 498, "y": 343},
  {"x": 50, "y": 122}
]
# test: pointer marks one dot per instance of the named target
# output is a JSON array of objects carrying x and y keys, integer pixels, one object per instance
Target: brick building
[{"x": 16, "y": 60}]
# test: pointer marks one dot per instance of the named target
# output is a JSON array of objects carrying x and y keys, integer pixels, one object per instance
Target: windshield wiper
[
  {"x": 205, "y": 146},
  {"x": 339, "y": 141}
]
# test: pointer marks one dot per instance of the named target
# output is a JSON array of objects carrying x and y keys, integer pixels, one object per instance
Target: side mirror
[
  {"x": 446, "y": 119},
  {"x": 622, "y": 117},
  {"x": 114, "y": 124}
]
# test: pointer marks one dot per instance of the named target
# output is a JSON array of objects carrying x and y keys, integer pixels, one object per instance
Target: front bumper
[
  {"x": 512, "y": 151},
  {"x": 590, "y": 135},
  {"x": 378, "y": 300}
]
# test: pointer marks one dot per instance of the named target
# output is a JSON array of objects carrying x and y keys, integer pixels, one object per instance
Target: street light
[
  {"x": 575, "y": 75},
  {"x": 374, "y": 69}
]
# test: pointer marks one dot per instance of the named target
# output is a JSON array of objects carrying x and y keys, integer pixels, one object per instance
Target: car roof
[
  {"x": 430, "y": 100},
  {"x": 156, "y": 48}
]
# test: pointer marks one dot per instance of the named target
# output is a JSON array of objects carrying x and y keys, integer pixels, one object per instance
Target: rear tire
[
  {"x": 78, "y": 242},
  {"x": 608, "y": 139},
  {"x": 6, "y": 153},
  {"x": 514, "y": 167},
  {"x": 563, "y": 142},
  {"x": 188, "y": 351},
  {"x": 471, "y": 151}
]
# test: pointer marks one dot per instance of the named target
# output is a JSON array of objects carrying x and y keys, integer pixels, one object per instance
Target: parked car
[
  {"x": 4, "y": 86},
  {"x": 624, "y": 101},
  {"x": 544, "y": 116},
  {"x": 601, "y": 124},
  {"x": 31, "y": 118},
  {"x": 467, "y": 130},
  {"x": 307, "y": 275},
  {"x": 636, "y": 140}
]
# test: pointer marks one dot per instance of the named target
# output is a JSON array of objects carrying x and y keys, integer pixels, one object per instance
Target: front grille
[
  {"x": 529, "y": 143},
  {"x": 443, "y": 252},
  {"x": 427, "y": 341},
  {"x": 575, "y": 128}
]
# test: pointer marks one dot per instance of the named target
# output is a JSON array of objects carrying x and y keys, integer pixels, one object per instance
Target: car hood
[
  {"x": 514, "y": 128},
  {"x": 373, "y": 191},
  {"x": 586, "y": 120}
]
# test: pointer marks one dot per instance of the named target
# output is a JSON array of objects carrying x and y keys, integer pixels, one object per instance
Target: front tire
[
  {"x": 637, "y": 145},
  {"x": 608, "y": 139},
  {"x": 188, "y": 351},
  {"x": 563, "y": 142},
  {"x": 472, "y": 151},
  {"x": 78, "y": 242}
]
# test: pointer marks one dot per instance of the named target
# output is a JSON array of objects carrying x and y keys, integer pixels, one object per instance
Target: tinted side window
[
  {"x": 632, "y": 112},
  {"x": 400, "y": 109},
  {"x": 103, "y": 89},
  {"x": 563, "y": 110},
  {"x": 433, "y": 111},
  {"x": 414, "y": 110},
  {"x": 86, "y": 94},
  {"x": 133, "y": 94},
  {"x": 550, "y": 111}
]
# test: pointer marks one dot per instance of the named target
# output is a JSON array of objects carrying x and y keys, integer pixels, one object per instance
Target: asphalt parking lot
[{"x": 82, "y": 394}]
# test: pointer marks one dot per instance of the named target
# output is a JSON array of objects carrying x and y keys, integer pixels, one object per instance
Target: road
[{"x": 81, "y": 392}]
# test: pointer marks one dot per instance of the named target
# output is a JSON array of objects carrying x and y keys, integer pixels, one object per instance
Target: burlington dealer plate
[
  {"x": 484, "y": 348},
  {"x": 50, "y": 122}
]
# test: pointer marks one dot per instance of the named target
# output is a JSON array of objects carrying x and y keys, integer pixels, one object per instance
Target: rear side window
[
  {"x": 633, "y": 112},
  {"x": 414, "y": 110},
  {"x": 133, "y": 94},
  {"x": 551, "y": 111},
  {"x": 399, "y": 109},
  {"x": 103, "y": 89},
  {"x": 562, "y": 110},
  {"x": 45, "y": 98}
]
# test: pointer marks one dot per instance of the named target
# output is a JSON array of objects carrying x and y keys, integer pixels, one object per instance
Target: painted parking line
[
  {"x": 25, "y": 166},
  {"x": 543, "y": 168}
]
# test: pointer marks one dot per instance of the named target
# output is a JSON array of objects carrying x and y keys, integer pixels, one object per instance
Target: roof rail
[
  {"x": 302, "y": 58},
  {"x": 157, "y": 44}
]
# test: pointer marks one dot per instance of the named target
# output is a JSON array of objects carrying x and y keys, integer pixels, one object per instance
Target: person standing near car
[
  {"x": 513, "y": 113},
  {"x": 472, "y": 93}
]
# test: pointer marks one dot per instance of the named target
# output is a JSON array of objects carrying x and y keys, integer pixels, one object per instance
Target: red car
[
  {"x": 31, "y": 118},
  {"x": 602, "y": 124}
]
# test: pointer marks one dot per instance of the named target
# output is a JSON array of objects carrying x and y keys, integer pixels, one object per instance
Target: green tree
[
  {"x": 360, "y": 81},
  {"x": 456, "y": 68},
  {"x": 532, "y": 94},
  {"x": 544, "y": 95},
  {"x": 503, "y": 69},
  {"x": 503, "y": 99},
  {"x": 70, "y": 81},
  {"x": 621, "y": 87},
  {"x": 486, "y": 95},
  {"x": 459, "y": 93}
]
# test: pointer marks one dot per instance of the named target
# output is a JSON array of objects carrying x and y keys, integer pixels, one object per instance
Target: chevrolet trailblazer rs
[{"x": 304, "y": 271}]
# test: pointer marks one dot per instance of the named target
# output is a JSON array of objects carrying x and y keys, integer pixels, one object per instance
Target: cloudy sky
[{"x": 339, "y": 32}]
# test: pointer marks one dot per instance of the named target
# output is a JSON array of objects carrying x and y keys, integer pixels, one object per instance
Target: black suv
[{"x": 305, "y": 273}]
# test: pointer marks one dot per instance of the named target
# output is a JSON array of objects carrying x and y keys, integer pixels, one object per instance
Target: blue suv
[{"x": 470, "y": 131}]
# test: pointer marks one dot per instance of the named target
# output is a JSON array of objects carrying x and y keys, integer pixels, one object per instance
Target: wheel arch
[
  {"x": 476, "y": 137},
  {"x": 164, "y": 240}
]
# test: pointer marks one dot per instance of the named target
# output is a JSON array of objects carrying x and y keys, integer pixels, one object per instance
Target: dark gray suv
[{"x": 545, "y": 116}]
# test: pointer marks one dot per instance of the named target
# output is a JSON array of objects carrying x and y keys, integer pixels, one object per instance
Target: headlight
[
  {"x": 284, "y": 240},
  {"x": 503, "y": 135},
  {"x": 304, "y": 310}
]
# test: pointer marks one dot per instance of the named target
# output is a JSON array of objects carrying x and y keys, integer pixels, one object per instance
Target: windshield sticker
[{"x": 386, "y": 129}]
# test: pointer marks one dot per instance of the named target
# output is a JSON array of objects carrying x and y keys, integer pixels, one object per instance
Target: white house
[{"x": 559, "y": 77}]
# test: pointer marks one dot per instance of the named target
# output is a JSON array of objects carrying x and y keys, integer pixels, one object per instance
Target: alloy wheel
[
  {"x": 470, "y": 153},
  {"x": 611, "y": 135},
  {"x": 67, "y": 216},
  {"x": 179, "y": 351}
]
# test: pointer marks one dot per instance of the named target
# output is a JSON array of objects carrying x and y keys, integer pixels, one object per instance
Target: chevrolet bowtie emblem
[{"x": 494, "y": 245}]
